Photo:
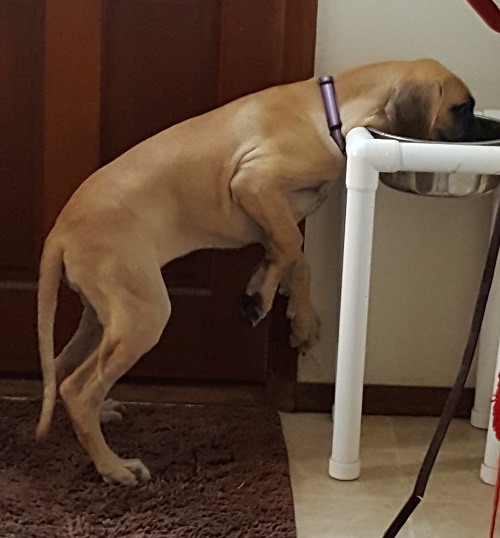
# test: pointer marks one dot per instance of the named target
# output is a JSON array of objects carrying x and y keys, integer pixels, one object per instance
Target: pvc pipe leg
[
  {"x": 488, "y": 472},
  {"x": 362, "y": 181},
  {"x": 487, "y": 357}
]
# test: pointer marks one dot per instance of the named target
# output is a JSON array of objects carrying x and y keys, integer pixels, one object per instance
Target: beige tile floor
[{"x": 456, "y": 503}]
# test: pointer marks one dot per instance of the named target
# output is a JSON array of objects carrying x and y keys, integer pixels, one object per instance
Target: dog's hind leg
[
  {"x": 135, "y": 314},
  {"x": 85, "y": 339}
]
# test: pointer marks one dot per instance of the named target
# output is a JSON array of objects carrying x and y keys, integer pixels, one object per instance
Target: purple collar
[{"x": 332, "y": 111}]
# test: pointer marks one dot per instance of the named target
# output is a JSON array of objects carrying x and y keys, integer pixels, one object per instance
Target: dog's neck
[{"x": 362, "y": 97}]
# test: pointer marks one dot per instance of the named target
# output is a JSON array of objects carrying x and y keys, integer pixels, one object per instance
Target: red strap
[{"x": 488, "y": 11}]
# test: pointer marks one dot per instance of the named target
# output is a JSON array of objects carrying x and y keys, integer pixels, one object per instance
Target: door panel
[
  {"x": 21, "y": 105},
  {"x": 71, "y": 113},
  {"x": 160, "y": 64},
  {"x": 21, "y": 134}
]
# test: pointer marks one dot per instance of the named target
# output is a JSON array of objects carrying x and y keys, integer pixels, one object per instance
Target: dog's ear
[{"x": 412, "y": 108}]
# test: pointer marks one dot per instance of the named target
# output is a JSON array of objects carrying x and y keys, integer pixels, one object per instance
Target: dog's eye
[{"x": 462, "y": 108}]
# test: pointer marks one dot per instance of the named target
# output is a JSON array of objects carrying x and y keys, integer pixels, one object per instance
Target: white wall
[
  {"x": 428, "y": 253},
  {"x": 352, "y": 32}
]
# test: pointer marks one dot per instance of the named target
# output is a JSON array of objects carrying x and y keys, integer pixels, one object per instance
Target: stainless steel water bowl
[{"x": 439, "y": 184}]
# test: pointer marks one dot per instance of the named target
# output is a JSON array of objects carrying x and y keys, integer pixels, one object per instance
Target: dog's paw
[
  {"x": 127, "y": 472},
  {"x": 250, "y": 308},
  {"x": 111, "y": 410},
  {"x": 305, "y": 326}
]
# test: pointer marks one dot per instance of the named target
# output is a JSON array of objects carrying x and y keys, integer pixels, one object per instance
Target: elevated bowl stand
[{"x": 366, "y": 158}]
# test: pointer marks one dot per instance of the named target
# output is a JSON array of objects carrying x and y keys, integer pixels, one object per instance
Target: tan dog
[{"x": 244, "y": 173}]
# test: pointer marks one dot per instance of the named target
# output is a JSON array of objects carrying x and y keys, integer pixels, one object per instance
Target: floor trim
[
  {"x": 309, "y": 397},
  {"x": 385, "y": 399}
]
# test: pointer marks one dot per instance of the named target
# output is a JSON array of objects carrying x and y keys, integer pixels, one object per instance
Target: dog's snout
[
  {"x": 467, "y": 127},
  {"x": 463, "y": 122},
  {"x": 486, "y": 129}
]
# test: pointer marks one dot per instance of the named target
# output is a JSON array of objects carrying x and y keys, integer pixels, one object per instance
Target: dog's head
[{"x": 429, "y": 102}]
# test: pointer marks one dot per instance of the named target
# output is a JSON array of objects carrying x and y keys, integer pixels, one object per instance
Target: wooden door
[{"x": 82, "y": 81}]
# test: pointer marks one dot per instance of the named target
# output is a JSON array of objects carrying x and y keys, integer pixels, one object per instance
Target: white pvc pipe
[
  {"x": 366, "y": 157},
  {"x": 488, "y": 369},
  {"x": 487, "y": 349},
  {"x": 392, "y": 156},
  {"x": 488, "y": 472},
  {"x": 489, "y": 340},
  {"x": 362, "y": 182}
]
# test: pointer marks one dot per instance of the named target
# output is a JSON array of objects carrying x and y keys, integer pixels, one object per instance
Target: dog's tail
[{"x": 51, "y": 267}]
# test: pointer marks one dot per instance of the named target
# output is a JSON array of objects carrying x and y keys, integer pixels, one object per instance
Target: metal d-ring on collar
[{"x": 332, "y": 111}]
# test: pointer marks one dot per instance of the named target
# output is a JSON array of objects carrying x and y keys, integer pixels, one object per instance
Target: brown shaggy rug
[{"x": 217, "y": 472}]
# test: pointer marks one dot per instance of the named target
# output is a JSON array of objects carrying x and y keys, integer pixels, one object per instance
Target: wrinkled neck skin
[{"x": 362, "y": 97}]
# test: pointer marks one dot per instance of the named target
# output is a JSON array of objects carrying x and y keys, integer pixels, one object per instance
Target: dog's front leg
[
  {"x": 295, "y": 284},
  {"x": 264, "y": 198},
  {"x": 303, "y": 318}
]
